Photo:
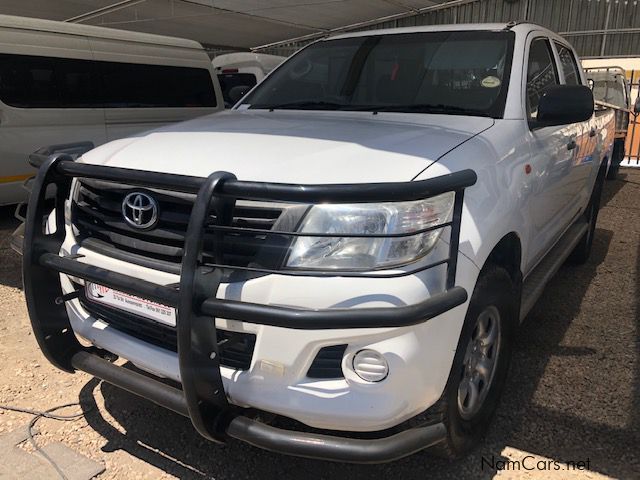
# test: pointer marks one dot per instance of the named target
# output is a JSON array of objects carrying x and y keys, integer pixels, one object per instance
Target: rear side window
[
  {"x": 568, "y": 65},
  {"x": 541, "y": 73},
  {"x": 45, "y": 82}
]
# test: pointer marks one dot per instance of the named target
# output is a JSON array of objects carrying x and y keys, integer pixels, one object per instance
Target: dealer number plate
[{"x": 130, "y": 303}]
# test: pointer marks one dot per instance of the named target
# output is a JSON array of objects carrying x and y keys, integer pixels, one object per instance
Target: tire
[
  {"x": 582, "y": 250},
  {"x": 616, "y": 158},
  {"x": 495, "y": 295}
]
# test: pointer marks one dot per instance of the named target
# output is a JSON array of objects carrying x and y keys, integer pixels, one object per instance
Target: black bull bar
[{"x": 202, "y": 397}]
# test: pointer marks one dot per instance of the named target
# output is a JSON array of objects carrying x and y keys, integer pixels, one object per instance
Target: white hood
[{"x": 296, "y": 147}]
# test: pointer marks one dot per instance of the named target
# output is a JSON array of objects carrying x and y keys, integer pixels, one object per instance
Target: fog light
[{"x": 370, "y": 365}]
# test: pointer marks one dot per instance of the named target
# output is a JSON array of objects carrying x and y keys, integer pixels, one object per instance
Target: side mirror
[
  {"x": 564, "y": 104},
  {"x": 636, "y": 106},
  {"x": 237, "y": 92}
]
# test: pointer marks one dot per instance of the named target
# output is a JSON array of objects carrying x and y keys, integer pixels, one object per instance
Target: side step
[{"x": 534, "y": 284}]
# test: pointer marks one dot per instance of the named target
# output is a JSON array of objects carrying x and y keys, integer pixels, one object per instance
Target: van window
[
  {"x": 230, "y": 80},
  {"x": 129, "y": 85},
  {"x": 45, "y": 82},
  {"x": 541, "y": 73},
  {"x": 568, "y": 65}
]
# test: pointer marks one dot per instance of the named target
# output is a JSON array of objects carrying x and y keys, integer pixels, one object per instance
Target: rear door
[
  {"x": 576, "y": 190},
  {"x": 146, "y": 86},
  {"x": 553, "y": 153}
]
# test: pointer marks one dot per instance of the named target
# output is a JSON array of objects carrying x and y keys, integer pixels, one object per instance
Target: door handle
[
  {"x": 571, "y": 145},
  {"x": 593, "y": 132}
]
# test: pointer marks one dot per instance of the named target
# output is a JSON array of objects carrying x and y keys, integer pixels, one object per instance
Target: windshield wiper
[
  {"x": 409, "y": 108},
  {"x": 422, "y": 108},
  {"x": 303, "y": 105}
]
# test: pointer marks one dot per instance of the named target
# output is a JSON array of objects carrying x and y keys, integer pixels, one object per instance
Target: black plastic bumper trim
[{"x": 336, "y": 449}]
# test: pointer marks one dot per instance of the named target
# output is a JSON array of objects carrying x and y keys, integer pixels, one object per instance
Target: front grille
[
  {"x": 97, "y": 216},
  {"x": 235, "y": 348},
  {"x": 328, "y": 363}
]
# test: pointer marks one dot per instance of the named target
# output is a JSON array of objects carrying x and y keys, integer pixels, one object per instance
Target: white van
[
  {"x": 243, "y": 70},
  {"x": 62, "y": 83}
]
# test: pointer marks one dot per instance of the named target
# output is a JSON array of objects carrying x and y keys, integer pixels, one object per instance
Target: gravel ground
[{"x": 573, "y": 391}]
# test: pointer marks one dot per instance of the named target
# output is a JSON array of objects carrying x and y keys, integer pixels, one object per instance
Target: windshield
[{"x": 430, "y": 72}]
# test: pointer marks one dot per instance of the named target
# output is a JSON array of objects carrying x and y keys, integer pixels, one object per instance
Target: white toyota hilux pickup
[{"x": 336, "y": 267}]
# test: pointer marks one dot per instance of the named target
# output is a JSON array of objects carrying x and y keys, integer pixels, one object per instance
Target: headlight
[{"x": 349, "y": 253}]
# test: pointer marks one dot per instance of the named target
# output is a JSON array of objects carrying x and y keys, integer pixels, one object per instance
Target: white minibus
[{"x": 63, "y": 83}]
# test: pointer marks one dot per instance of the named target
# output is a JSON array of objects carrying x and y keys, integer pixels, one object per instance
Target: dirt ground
[{"x": 573, "y": 392}]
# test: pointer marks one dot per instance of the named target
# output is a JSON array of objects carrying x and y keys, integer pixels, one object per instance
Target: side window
[
  {"x": 128, "y": 85},
  {"x": 568, "y": 65},
  {"x": 541, "y": 73},
  {"x": 28, "y": 81},
  {"x": 76, "y": 81}
]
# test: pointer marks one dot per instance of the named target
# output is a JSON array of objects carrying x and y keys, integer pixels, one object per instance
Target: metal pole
[
  {"x": 635, "y": 122},
  {"x": 104, "y": 10},
  {"x": 569, "y": 15},
  {"x": 606, "y": 28}
]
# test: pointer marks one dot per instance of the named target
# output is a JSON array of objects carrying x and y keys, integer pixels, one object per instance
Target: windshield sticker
[{"x": 491, "y": 82}]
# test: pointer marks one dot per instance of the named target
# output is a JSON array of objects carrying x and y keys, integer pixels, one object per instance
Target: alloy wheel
[{"x": 480, "y": 362}]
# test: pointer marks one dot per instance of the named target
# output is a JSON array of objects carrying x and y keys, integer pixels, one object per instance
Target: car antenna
[{"x": 512, "y": 24}]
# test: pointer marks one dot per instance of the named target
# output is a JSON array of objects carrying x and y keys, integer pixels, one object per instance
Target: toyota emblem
[{"x": 140, "y": 210}]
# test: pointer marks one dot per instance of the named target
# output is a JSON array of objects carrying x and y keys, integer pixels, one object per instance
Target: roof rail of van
[{"x": 28, "y": 23}]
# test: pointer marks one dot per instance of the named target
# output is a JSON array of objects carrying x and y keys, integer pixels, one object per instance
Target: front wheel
[{"x": 481, "y": 363}]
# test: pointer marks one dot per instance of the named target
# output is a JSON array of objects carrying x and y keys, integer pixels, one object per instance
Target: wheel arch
[{"x": 507, "y": 253}]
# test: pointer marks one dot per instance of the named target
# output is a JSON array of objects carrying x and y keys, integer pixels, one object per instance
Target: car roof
[
  {"x": 38, "y": 24},
  {"x": 519, "y": 27}
]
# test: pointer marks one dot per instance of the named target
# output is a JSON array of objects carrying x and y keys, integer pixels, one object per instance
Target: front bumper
[
  {"x": 277, "y": 380},
  {"x": 254, "y": 432},
  {"x": 203, "y": 397}
]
